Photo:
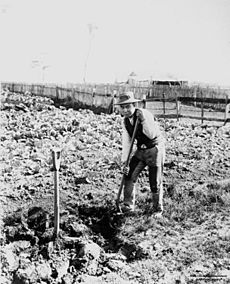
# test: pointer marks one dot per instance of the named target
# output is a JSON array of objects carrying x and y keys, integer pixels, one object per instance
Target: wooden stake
[
  {"x": 202, "y": 108},
  {"x": 227, "y": 108},
  {"x": 202, "y": 112},
  {"x": 144, "y": 100},
  {"x": 164, "y": 103},
  {"x": 177, "y": 107},
  {"x": 56, "y": 154}
]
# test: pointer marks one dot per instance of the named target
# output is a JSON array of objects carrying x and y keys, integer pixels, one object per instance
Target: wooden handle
[
  {"x": 132, "y": 142},
  {"x": 56, "y": 154},
  {"x": 127, "y": 163}
]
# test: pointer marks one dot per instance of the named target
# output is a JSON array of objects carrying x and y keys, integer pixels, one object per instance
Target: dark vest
[{"x": 141, "y": 138}]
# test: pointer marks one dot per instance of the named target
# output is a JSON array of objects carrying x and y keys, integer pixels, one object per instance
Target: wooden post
[
  {"x": 114, "y": 101},
  {"x": 56, "y": 154},
  {"x": 57, "y": 93},
  {"x": 178, "y": 106},
  {"x": 202, "y": 108},
  {"x": 195, "y": 95},
  {"x": 227, "y": 108},
  {"x": 144, "y": 100},
  {"x": 164, "y": 103}
]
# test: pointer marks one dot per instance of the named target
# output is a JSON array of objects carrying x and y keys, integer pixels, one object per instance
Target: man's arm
[
  {"x": 150, "y": 125},
  {"x": 126, "y": 142}
]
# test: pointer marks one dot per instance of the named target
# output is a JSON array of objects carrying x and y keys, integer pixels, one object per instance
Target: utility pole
[
  {"x": 44, "y": 67},
  {"x": 91, "y": 28}
]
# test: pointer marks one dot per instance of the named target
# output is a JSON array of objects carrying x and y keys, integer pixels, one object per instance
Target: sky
[{"x": 103, "y": 41}]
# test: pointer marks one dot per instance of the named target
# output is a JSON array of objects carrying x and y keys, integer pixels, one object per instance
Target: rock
[
  {"x": 173, "y": 278},
  {"x": 116, "y": 256},
  {"x": 106, "y": 270},
  {"x": 26, "y": 275},
  {"x": 9, "y": 259},
  {"x": 37, "y": 218},
  {"x": 21, "y": 245},
  {"x": 131, "y": 251},
  {"x": 146, "y": 246},
  {"x": 61, "y": 267},
  {"x": 47, "y": 236},
  {"x": 78, "y": 230},
  {"x": 70, "y": 242},
  {"x": 11, "y": 231},
  {"x": 88, "y": 279},
  {"x": 115, "y": 265},
  {"x": 89, "y": 254},
  {"x": 29, "y": 272},
  {"x": 224, "y": 234},
  {"x": 4, "y": 280},
  {"x": 89, "y": 250},
  {"x": 67, "y": 279},
  {"x": 44, "y": 270},
  {"x": 114, "y": 278}
]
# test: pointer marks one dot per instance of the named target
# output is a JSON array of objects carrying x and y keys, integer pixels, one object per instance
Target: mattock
[{"x": 126, "y": 165}]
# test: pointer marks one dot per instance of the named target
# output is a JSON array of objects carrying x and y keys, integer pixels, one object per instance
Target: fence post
[
  {"x": 114, "y": 101},
  {"x": 163, "y": 103},
  {"x": 57, "y": 94},
  {"x": 144, "y": 100},
  {"x": 151, "y": 92},
  {"x": 227, "y": 108},
  {"x": 195, "y": 95},
  {"x": 178, "y": 107},
  {"x": 202, "y": 108}
]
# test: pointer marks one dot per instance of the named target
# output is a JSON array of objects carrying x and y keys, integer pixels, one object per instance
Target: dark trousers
[{"x": 154, "y": 159}]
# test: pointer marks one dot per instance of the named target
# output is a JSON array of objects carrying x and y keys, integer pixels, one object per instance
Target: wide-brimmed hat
[{"x": 127, "y": 98}]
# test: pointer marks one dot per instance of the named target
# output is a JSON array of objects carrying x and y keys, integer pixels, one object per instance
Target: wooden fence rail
[
  {"x": 178, "y": 108},
  {"x": 102, "y": 98}
]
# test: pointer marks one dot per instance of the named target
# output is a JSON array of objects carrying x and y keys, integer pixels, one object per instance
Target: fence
[
  {"x": 67, "y": 96},
  {"x": 168, "y": 101},
  {"x": 183, "y": 107}
]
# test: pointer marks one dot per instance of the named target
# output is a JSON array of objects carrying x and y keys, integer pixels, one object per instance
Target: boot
[
  {"x": 157, "y": 200},
  {"x": 127, "y": 208},
  {"x": 129, "y": 196}
]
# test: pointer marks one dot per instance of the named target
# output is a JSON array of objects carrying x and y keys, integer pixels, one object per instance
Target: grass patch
[{"x": 194, "y": 202}]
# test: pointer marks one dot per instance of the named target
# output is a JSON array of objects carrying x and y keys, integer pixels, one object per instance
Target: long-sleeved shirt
[{"x": 150, "y": 128}]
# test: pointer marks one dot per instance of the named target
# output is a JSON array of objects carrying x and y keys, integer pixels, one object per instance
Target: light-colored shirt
[{"x": 150, "y": 128}]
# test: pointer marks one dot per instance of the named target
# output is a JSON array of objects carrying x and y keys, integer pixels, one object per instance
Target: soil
[{"x": 189, "y": 244}]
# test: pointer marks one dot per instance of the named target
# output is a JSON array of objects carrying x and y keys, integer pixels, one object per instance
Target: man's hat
[{"x": 127, "y": 98}]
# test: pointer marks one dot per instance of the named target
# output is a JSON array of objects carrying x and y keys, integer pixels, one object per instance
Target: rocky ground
[{"x": 189, "y": 244}]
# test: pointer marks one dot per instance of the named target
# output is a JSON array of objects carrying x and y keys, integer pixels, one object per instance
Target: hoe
[{"x": 126, "y": 165}]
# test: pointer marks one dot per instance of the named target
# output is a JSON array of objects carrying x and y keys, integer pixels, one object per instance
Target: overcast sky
[{"x": 51, "y": 40}]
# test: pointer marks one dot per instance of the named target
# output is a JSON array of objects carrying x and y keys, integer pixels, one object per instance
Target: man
[{"x": 150, "y": 152}]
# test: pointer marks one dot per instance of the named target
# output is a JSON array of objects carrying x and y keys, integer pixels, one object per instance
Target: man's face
[{"x": 127, "y": 110}]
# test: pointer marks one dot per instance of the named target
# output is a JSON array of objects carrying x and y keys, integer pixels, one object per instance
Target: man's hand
[
  {"x": 140, "y": 115},
  {"x": 125, "y": 170}
]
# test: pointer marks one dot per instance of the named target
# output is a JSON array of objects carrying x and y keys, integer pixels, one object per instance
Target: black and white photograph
[{"x": 114, "y": 141}]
